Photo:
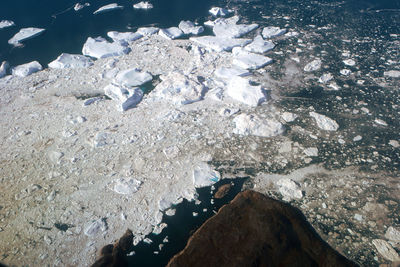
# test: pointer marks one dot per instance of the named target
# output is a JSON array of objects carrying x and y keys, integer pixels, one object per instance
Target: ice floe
[
  {"x": 189, "y": 27},
  {"x": 313, "y": 65},
  {"x": 125, "y": 98},
  {"x": 271, "y": 32},
  {"x": 79, "y": 6},
  {"x": 25, "y": 34},
  {"x": 349, "y": 62},
  {"x": 228, "y": 30},
  {"x": 6, "y": 24},
  {"x": 289, "y": 189},
  {"x": 124, "y": 36},
  {"x": 132, "y": 78},
  {"x": 259, "y": 45},
  {"x": 171, "y": 33},
  {"x": 246, "y": 124},
  {"x": 225, "y": 73},
  {"x": 26, "y": 69},
  {"x": 3, "y": 68},
  {"x": 147, "y": 31},
  {"x": 248, "y": 60},
  {"x": 324, "y": 122},
  {"x": 392, "y": 73},
  {"x": 219, "y": 44},
  {"x": 220, "y": 12},
  {"x": 345, "y": 72},
  {"x": 106, "y": 8},
  {"x": 100, "y": 48},
  {"x": 125, "y": 186},
  {"x": 325, "y": 78},
  {"x": 66, "y": 60},
  {"x": 204, "y": 175},
  {"x": 143, "y": 5},
  {"x": 232, "y": 20},
  {"x": 241, "y": 90}
]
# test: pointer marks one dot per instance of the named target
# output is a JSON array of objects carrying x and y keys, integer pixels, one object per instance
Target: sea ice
[
  {"x": 95, "y": 227},
  {"x": 324, "y": 122},
  {"x": 100, "y": 48},
  {"x": 107, "y": 8},
  {"x": 259, "y": 45},
  {"x": 132, "y": 78},
  {"x": 147, "y": 31},
  {"x": 6, "y": 24},
  {"x": 349, "y": 62},
  {"x": 386, "y": 250},
  {"x": 3, "y": 68},
  {"x": 227, "y": 30},
  {"x": 241, "y": 90},
  {"x": 289, "y": 189},
  {"x": 345, "y": 72},
  {"x": 65, "y": 61},
  {"x": 143, "y": 5},
  {"x": 204, "y": 175},
  {"x": 232, "y": 20},
  {"x": 26, "y": 69},
  {"x": 313, "y": 65},
  {"x": 253, "y": 125},
  {"x": 229, "y": 73},
  {"x": 126, "y": 37},
  {"x": 189, "y": 27},
  {"x": 271, "y": 32},
  {"x": 325, "y": 78},
  {"x": 126, "y": 98},
  {"x": 125, "y": 186},
  {"x": 219, "y": 44},
  {"x": 392, "y": 73},
  {"x": 220, "y": 12},
  {"x": 247, "y": 60},
  {"x": 171, "y": 33},
  {"x": 79, "y": 6},
  {"x": 25, "y": 34}
]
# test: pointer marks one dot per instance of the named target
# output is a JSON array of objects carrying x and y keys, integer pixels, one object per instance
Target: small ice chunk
[
  {"x": 357, "y": 138},
  {"x": 100, "y": 48},
  {"x": 381, "y": 122},
  {"x": 125, "y": 186},
  {"x": 95, "y": 227},
  {"x": 349, "y": 62},
  {"x": 25, "y": 34},
  {"x": 124, "y": 36},
  {"x": 189, "y": 27},
  {"x": 241, "y": 90},
  {"x": 324, "y": 122},
  {"x": 79, "y": 6},
  {"x": 386, "y": 250},
  {"x": 132, "y": 77},
  {"x": 143, "y": 5},
  {"x": 393, "y": 234},
  {"x": 126, "y": 98},
  {"x": 311, "y": 151},
  {"x": 271, "y": 32},
  {"x": 229, "y": 73},
  {"x": 204, "y": 175},
  {"x": 288, "y": 116},
  {"x": 289, "y": 189},
  {"x": 65, "y": 61},
  {"x": 259, "y": 45},
  {"x": 26, "y": 69},
  {"x": 394, "y": 143},
  {"x": 220, "y": 12},
  {"x": 6, "y": 24},
  {"x": 227, "y": 30},
  {"x": 109, "y": 7},
  {"x": 313, "y": 65},
  {"x": 345, "y": 72},
  {"x": 392, "y": 73},
  {"x": 171, "y": 33},
  {"x": 253, "y": 125},
  {"x": 249, "y": 61},
  {"x": 147, "y": 31},
  {"x": 219, "y": 44},
  {"x": 3, "y": 68},
  {"x": 325, "y": 78}
]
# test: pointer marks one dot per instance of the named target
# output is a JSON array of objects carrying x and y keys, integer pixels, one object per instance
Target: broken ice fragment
[
  {"x": 107, "y": 8},
  {"x": 3, "y": 68},
  {"x": 241, "y": 90},
  {"x": 220, "y": 12},
  {"x": 219, "y": 44},
  {"x": 95, "y": 227},
  {"x": 204, "y": 176},
  {"x": 229, "y": 73},
  {"x": 100, "y": 48},
  {"x": 345, "y": 72},
  {"x": 126, "y": 186},
  {"x": 189, "y": 27},
  {"x": 392, "y": 73},
  {"x": 259, "y": 45},
  {"x": 171, "y": 33},
  {"x": 271, "y": 32},
  {"x": 326, "y": 77},
  {"x": 349, "y": 62},
  {"x": 132, "y": 77},
  {"x": 289, "y": 189},
  {"x": 6, "y": 24},
  {"x": 147, "y": 31},
  {"x": 79, "y": 6},
  {"x": 313, "y": 65},
  {"x": 26, "y": 69},
  {"x": 25, "y": 34},
  {"x": 65, "y": 61},
  {"x": 381, "y": 122},
  {"x": 386, "y": 250},
  {"x": 249, "y": 61},
  {"x": 143, "y": 5},
  {"x": 126, "y": 37},
  {"x": 324, "y": 122},
  {"x": 227, "y": 30},
  {"x": 126, "y": 98},
  {"x": 253, "y": 125}
]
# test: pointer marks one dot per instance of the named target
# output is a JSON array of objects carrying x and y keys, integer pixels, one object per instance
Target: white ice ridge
[{"x": 26, "y": 69}]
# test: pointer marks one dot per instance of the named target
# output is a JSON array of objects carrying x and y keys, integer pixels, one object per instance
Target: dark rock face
[{"x": 255, "y": 230}]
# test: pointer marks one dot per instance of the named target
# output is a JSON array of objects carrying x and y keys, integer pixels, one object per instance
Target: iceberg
[
  {"x": 143, "y": 5},
  {"x": 228, "y": 30},
  {"x": 26, "y": 69},
  {"x": 147, "y": 31},
  {"x": 220, "y": 12},
  {"x": 271, "y": 32},
  {"x": 6, "y": 24},
  {"x": 125, "y": 98},
  {"x": 126, "y": 37},
  {"x": 132, "y": 78},
  {"x": 259, "y": 45},
  {"x": 324, "y": 122},
  {"x": 107, "y": 8},
  {"x": 65, "y": 61},
  {"x": 189, "y": 27},
  {"x": 241, "y": 90},
  {"x": 171, "y": 33},
  {"x": 204, "y": 176},
  {"x": 100, "y": 48},
  {"x": 249, "y": 61},
  {"x": 219, "y": 44},
  {"x": 253, "y": 125},
  {"x": 25, "y": 34}
]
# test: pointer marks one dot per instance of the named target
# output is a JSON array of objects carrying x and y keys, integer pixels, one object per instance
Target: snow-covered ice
[
  {"x": 143, "y": 5},
  {"x": 219, "y": 44},
  {"x": 100, "y": 48},
  {"x": 3, "y": 68},
  {"x": 259, "y": 45},
  {"x": 241, "y": 90},
  {"x": 125, "y": 186},
  {"x": 26, "y": 69},
  {"x": 228, "y": 30},
  {"x": 132, "y": 77},
  {"x": 109, "y": 7},
  {"x": 392, "y": 73},
  {"x": 171, "y": 33},
  {"x": 6, "y": 24},
  {"x": 189, "y": 27},
  {"x": 225, "y": 73},
  {"x": 147, "y": 31},
  {"x": 66, "y": 60},
  {"x": 204, "y": 175},
  {"x": 25, "y": 34},
  {"x": 124, "y": 36},
  {"x": 246, "y": 124},
  {"x": 324, "y": 122},
  {"x": 313, "y": 65},
  {"x": 79, "y": 6},
  {"x": 248, "y": 60},
  {"x": 271, "y": 32},
  {"x": 125, "y": 98}
]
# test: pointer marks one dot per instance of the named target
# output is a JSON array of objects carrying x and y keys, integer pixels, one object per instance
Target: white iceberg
[
  {"x": 219, "y": 44},
  {"x": 132, "y": 78},
  {"x": 241, "y": 90},
  {"x": 100, "y": 48},
  {"x": 26, "y": 69},
  {"x": 125, "y": 98},
  {"x": 204, "y": 175},
  {"x": 220, "y": 12},
  {"x": 253, "y": 125},
  {"x": 79, "y": 6},
  {"x": 6, "y": 24},
  {"x": 109, "y": 7},
  {"x": 249, "y": 61},
  {"x": 233, "y": 30},
  {"x": 147, "y": 31},
  {"x": 324, "y": 122},
  {"x": 124, "y": 36},
  {"x": 271, "y": 32},
  {"x": 25, "y": 34},
  {"x": 189, "y": 27},
  {"x": 259, "y": 45},
  {"x": 143, "y": 5},
  {"x": 232, "y": 20},
  {"x": 66, "y": 60},
  {"x": 313, "y": 65},
  {"x": 171, "y": 33}
]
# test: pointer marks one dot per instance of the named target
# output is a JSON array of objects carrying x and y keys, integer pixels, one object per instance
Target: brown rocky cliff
[{"x": 255, "y": 230}]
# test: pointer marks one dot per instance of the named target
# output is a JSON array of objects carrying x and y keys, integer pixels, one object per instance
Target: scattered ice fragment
[
  {"x": 195, "y": 214},
  {"x": 345, "y": 72},
  {"x": 204, "y": 176},
  {"x": 100, "y": 139},
  {"x": 289, "y": 189},
  {"x": 124, "y": 36},
  {"x": 100, "y": 48},
  {"x": 394, "y": 143},
  {"x": 106, "y": 8},
  {"x": 357, "y": 138},
  {"x": 147, "y": 31},
  {"x": 78, "y": 119},
  {"x": 219, "y": 44},
  {"x": 311, "y": 151},
  {"x": 253, "y": 125},
  {"x": 3, "y": 68},
  {"x": 126, "y": 98},
  {"x": 171, "y": 33},
  {"x": 229, "y": 73},
  {"x": 92, "y": 100},
  {"x": 358, "y": 217},
  {"x": 95, "y": 227},
  {"x": 132, "y": 77},
  {"x": 159, "y": 228},
  {"x": 259, "y": 45},
  {"x": 79, "y": 6},
  {"x": 147, "y": 240},
  {"x": 288, "y": 116},
  {"x": 324, "y": 122},
  {"x": 231, "y": 20},
  {"x": 386, "y": 250},
  {"x": 241, "y": 90},
  {"x": 381, "y": 122},
  {"x": 125, "y": 186},
  {"x": 392, "y": 73},
  {"x": 249, "y": 61},
  {"x": 220, "y": 12},
  {"x": 227, "y": 30},
  {"x": 170, "y": 212},
  {"x": 6, "y": 24},
  {"x": 189, "y": 27},
  {"x": 65, "y": 61},
  {"x": 25, "y": 34},
  {"x": 271, "y": 32},
  {"x": 313, "y": 65},
  {"x": 26, "y": 69},
  {"x": 393, "y": 234},
  {"x": 349, "y": 62},
  {"x": 143, "y": 5},
  {"x": 325, "y": 78}
]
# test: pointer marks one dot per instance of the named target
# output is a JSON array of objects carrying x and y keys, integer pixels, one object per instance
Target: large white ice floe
[
  {"x": 259, "y": 45},
  {"x": 227, "y": 30},
  {"x": 225, "y": 73},
  {"x": 313, "y": 65},
  {"x": 147, "y": 31},
  {"x": 248, "y": 60},
  {"x": 126, "y": 37},
  {"x": 188, "y": 27},
  {"x": 25, "y": 34},
  {"x": 246, "y": 124},
  {"x": 220, "y": 12},
  {"x": 125, "y": 186},
  {"x": 179, "y": 89},
  {"x": 3, "y": 68},
  {"x": 66, "y": 60},
  {"x": 324, "y": 122},
  {"x": 171, "y": 33},
  {"x": 100, "y": 48},
  {"x": 271, "y": 32},
  {"x": 219, "y": 44},
  {"x": 109, "y": 7},
  {"x": 143, "y": 5},
  {"x": 204, "y": 175},
  {"x": 241, "y": 90},
  {"x": 125, "y": 98},
  {"x": 26, "y": 69},
  {"x": 132, "y": 78},
  {"x": 6, "y": 24}
]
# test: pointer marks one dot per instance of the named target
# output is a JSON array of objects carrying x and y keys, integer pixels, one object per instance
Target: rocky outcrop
[{"x": 255, "y": 230}]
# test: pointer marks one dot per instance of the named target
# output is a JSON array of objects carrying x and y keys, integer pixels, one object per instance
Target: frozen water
[
  {"x": 95, "y": 227},
  {"x": 240, "y": 89},
  {"x": 313, "y": 65},
  {"x": 324, "y": 122},
  {"x": 3, "y": 68},
  {"x": 147, "y": 31},
  {"x": 219, "y": 44},
  {"x": 143, "y": 5},
  {"x": 65, "y": 61},
  {"x": 100, "y": 48},
  {"x": 247, "y": 60},
  {"x": 289, "y": 189},
  {"x": 189, "y": 27},
  {"x": 6, "y": 24},
  {"x": 229, "y": 73},
  {"x": 246, "y": 124},
  {"x": 109, "y": 7},
  {"x": 171, "y": 33},
  {"x": 271, "y": 32},
  {"x": 124, "y": 36},
  {"x": 125, "y": 98},
  {"x": 259, "y": 45},
  {"x": 228, "y": 30},
  {"x": 132, "y": 78},
  {"x": 220, "y": 12},
  {"x": 25, "y": 34},
  {"x": 204, "y": 175},
  {"x": 125, "y": 186},
  {"x": 26, "y": 69}
]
